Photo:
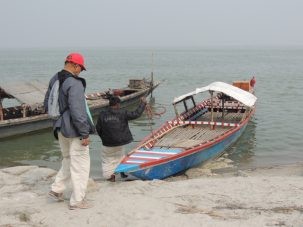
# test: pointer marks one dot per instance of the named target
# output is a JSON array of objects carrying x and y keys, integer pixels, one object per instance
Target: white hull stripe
[
  {"x": 134, "y": 161},
  {"x": 156, "y": 152},
  {"x": 144, "y": 156}
]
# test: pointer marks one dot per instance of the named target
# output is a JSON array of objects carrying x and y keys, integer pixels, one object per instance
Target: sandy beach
[{"x": 269, "y": 196}]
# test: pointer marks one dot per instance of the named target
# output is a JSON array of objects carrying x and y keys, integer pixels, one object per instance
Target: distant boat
[
  {"x": 202, "y": 132},
  {"x": 29, "y": 115}
]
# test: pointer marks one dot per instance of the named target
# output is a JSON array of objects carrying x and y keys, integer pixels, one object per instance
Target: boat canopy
[
  {"x": 30, "y": 93},
  {"x": 242, "y": 96}
]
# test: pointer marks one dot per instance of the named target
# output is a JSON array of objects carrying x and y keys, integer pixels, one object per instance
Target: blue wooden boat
[{"x": 202, "y": 132}]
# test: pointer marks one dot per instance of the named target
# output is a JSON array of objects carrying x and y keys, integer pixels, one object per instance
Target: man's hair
[{"x": 113, "y": 100}]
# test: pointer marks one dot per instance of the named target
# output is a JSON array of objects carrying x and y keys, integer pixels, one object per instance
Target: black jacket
[{"x": 112, "y": 125}]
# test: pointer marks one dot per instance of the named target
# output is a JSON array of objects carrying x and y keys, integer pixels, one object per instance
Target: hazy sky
[{"x": 150, "y": 23}]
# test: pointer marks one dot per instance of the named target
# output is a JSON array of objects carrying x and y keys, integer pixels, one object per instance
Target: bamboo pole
[
  {"x": 212, "y": 108},
  {"x": 176, "y": 111},
  {"x": 223, "y": 107},
  {"x": 152, "y": 76}
]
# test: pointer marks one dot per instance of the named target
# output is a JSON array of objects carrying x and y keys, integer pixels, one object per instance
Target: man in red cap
[{"x": 72, "y": 128}]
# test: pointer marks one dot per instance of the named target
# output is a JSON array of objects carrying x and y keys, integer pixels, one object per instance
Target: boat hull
[
  {"x": 19, "y": 127},
  {"x": 181, "y": 164}
]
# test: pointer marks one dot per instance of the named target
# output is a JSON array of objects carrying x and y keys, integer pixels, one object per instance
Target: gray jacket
[{"x": 74, "y": 121}]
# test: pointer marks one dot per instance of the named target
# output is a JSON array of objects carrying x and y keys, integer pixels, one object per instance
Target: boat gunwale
[{"x": 23, "y": 120}]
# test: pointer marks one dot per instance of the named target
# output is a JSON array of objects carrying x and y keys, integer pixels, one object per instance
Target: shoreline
[{"x": 268, "y": 196}]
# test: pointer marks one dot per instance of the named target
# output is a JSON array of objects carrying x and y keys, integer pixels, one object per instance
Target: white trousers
[
  {"x": 75, "y": 167},
  {"x": 111, "y": 157}
]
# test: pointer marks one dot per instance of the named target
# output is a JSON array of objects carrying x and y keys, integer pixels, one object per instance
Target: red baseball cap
[{"x": 77, "y": 59}]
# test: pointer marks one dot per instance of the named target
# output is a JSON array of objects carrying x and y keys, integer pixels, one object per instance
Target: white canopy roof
[
  {"x": 242, "y": 96},
  {"x": 30, "y": 93}
]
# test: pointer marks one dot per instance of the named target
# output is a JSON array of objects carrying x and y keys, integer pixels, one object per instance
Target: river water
[{"x": 274, "y": 136}]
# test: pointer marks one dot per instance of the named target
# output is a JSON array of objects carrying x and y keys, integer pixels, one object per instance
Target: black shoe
[
  {"x": 123, "y": 175},
  {"x": 112, "y": 178}
]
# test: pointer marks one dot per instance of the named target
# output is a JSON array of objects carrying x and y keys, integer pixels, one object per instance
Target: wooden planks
[
  {"x": 189, "y": 136},
  {"x": 229, "y": 117},
  {"x": 192, "y": 135}
]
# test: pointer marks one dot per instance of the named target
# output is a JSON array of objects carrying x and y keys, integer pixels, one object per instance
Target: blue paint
[
  {"x": 172, "y": 167},
  {"x": 126, "y": 168},
  {"x": 132, "y": 167},
  {"x": 201, "y": 112}
]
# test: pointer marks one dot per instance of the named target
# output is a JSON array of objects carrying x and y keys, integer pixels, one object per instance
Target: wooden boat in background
[
  {"x": 202, "y": 132},
  {"x": 29, "y": 116}
]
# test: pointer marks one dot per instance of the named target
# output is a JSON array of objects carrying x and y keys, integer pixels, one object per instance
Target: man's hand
[{"x": 85, "y": 142}]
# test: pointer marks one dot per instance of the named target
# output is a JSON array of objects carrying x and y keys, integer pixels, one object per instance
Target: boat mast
[{"x": 152, "y": 76}]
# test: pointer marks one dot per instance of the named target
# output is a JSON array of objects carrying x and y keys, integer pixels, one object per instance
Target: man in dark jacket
[
  {"x": 112, "y": 127},
  {"x": 72, "y": 129}
]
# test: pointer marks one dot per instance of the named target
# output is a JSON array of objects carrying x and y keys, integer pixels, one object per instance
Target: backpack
[{"x": 53, "y": 101}]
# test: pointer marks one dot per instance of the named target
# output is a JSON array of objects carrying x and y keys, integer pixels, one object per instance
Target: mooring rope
[{"x": 151, "y": 113}]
